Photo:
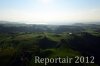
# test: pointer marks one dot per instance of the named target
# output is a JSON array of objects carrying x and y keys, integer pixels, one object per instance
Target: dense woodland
[{"x": 19, "y": 43}]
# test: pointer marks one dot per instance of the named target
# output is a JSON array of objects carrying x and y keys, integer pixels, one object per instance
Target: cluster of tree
[
  {"x": 19, "y": 49},
  {"x": 20, "y": 43}
]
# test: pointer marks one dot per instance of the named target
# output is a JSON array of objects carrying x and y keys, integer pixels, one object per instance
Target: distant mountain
[
  {"x": 87, "y": 24},
  {"x": 14, "y": 27},
  {"x": 8, "y": 23},
  {"x": 97, "y": 23}
]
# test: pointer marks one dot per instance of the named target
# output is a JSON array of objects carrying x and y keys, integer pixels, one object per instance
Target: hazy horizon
[{"x": 50, "y": 11}]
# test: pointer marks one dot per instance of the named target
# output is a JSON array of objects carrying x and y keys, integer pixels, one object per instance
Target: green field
[{"x": 19, "y": 49}]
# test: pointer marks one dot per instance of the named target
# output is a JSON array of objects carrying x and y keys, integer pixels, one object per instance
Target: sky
[{"x": 50, "y": 11}]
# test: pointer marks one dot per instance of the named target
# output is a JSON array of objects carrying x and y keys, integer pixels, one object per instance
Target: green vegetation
[
  {"x": 20, "y": 43},
  {"x": 19, "y": 49}
]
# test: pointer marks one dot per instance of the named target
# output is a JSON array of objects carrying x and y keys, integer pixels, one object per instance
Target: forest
[{"x": 20, "y": 43}]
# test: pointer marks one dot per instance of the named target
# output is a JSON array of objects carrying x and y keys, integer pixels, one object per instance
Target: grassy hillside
[{"x": 19, "y": 49}]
